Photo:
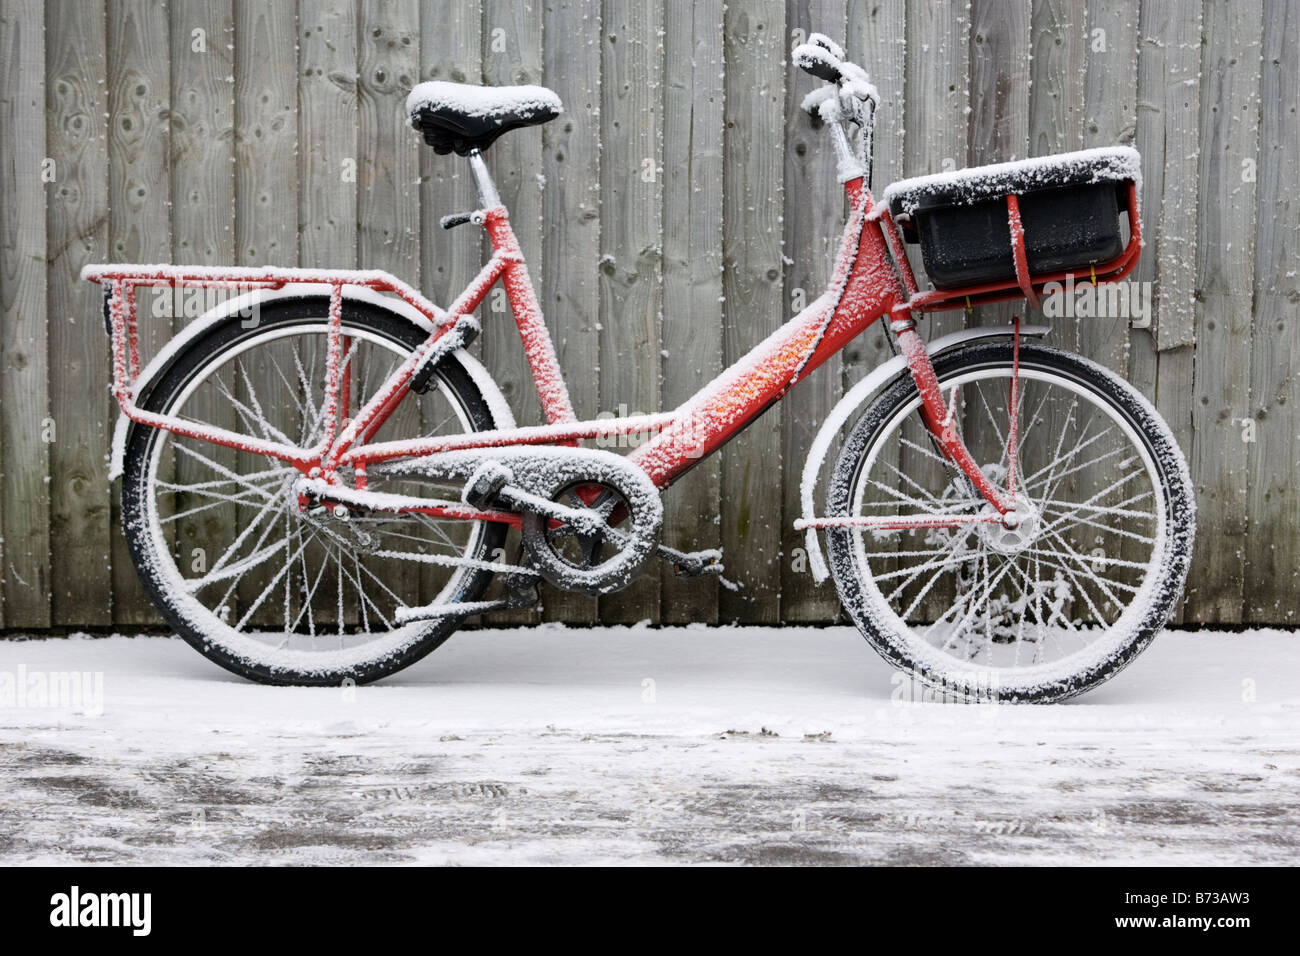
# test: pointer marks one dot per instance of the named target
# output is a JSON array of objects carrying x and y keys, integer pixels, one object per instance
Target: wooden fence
[{"x": 677, "y": 213}]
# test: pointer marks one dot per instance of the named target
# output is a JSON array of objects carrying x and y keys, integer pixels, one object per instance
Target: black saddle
[{"x": 460, "y": 117}]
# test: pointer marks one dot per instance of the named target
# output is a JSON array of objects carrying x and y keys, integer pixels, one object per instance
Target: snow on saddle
[{"x": 462, "y": 117}]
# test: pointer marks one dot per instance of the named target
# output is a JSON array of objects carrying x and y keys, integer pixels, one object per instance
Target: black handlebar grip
[{"x": 818, "y": 61}]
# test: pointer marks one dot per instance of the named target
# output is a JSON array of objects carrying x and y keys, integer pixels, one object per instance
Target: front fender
[{"x": 857, "y": 397}]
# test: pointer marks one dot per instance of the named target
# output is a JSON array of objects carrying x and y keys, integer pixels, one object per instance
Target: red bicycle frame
[{"x": 872, "y": 280}]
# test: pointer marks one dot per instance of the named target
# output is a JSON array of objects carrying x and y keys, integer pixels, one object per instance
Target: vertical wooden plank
[
  {"x": 1272, "y": 564},
  {"x": 266, "y": 168},
  {"x": 1169, "y": 63},
  {"x": 139, "y": 194},
  {"x": 388, "y": 160},
  {"x": 999, "y": 82},
  {"x": 752, "y": 267},
  {"x": 938, "y": 126},
  {"x": 512, "y": 53},
  {"x": 202, "y": 132},
  {"x": 569, "y": 289},
  {"x": 814, "y": 214},
  {"x": 999, "y": 97},
  {"x": 327, "y": 135},
  {"x": 938, "y": 83},
  {"x": 1000, "y": 76},
  {"x": 1225, "y": 245},
  {"x": 1000, "y": 103},
  {"x": 631, "y": 269},
  {"x": 877, "y": 41},
  {"x": 77, "y": 218},
  {"x": 1149, "y": 139},
  {"x": 1176, "y": 317},
  {"x": 24, "y": 402},
  {"x": 1109, "y": 119},
  {"x": 388, "y": 61},
  {"x": 938, "y": 78},
  {"x": 1056, "y": 126},
  {"x": 1057, "y": 76},
  {"x": 203, "y": 226},
  {"x": 266, "y": 131},
  {"x": 451, "y": 48},
  {"x": 692, "y": 325}
]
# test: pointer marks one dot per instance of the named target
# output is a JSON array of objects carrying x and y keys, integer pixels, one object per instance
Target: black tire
[
  {"x": 140, "y": 442},
  {"x": 1178, "y": 508}
]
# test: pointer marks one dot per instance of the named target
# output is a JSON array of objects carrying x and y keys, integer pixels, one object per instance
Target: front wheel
[{"x": 1035, "y": 613}]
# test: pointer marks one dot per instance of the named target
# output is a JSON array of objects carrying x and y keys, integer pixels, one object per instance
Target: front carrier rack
[{"x": 992, "y": 233}]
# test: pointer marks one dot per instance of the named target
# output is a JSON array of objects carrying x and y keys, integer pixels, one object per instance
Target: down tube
[{"x": 738, "y": 396}]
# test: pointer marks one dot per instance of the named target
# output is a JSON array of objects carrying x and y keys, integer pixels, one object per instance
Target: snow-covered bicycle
[{"x": 319, "y": 480}]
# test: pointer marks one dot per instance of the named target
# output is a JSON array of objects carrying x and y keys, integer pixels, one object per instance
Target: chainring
[{"x": 593, "y": 556}]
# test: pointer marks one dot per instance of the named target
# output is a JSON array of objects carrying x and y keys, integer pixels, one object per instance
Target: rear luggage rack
[
  {"x": 121, "y": 320},
  {"x": 1005, "y": 231}
]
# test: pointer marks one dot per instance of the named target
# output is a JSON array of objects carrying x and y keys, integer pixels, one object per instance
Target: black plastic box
[
  {"x": 1070, "y": 207},
  {"x": 1067, "y": 229}
]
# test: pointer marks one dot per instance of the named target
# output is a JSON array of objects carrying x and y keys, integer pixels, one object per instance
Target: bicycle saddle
[{"x": 461, "y": 117}]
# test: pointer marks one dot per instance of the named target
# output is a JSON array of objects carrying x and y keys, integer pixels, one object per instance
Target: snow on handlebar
[
  {"x": 848, "y": 96},
  {"x": 847, "y": 83}
]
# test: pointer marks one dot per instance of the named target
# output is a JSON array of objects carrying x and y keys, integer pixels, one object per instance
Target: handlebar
[{"x": 848, "y": 96}]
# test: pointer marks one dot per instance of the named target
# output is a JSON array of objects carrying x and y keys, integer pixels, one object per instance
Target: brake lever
[{"x": 813, "y": 102}]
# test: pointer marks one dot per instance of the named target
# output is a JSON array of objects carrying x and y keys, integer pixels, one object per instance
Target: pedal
[
  {"x": 692, "y": 564},
  {"x": 485, "y": 484}
]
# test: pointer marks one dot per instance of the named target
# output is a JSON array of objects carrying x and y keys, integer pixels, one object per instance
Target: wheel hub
[{"x": 1014, "y": 530}]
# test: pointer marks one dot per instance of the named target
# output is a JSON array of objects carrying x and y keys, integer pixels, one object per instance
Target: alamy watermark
[
  {"x": 65, "y": 690},
  {"x": 75, "y": 908},
  {"x": 184, "y": 301},
  {"x": 1086, "y": 299},
  {"x": 690, "y": 433}
]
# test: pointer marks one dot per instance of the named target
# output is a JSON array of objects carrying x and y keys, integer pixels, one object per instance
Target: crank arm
[
  {"x": 489, "y": 487},
  {"x": 437, "y": 612}
]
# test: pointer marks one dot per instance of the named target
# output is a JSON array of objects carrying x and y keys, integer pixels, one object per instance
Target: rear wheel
[
  {"x": 217, "y": 535},
  {"x": 1058, "y": 602}
]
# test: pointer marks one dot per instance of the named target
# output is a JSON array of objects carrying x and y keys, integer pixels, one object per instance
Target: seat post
[{"x": 487, "y": 190}]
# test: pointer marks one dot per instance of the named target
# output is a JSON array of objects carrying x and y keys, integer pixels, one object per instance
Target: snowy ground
[{"x": 684, "y": 745}]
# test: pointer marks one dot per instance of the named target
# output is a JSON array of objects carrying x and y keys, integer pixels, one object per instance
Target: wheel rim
[
  {"x": 1026, "y": 614},
  {"x": 325, "y": 578}
]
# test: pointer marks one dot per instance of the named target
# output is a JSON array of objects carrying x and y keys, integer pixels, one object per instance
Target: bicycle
[{"x": 1003, "y": 520}]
